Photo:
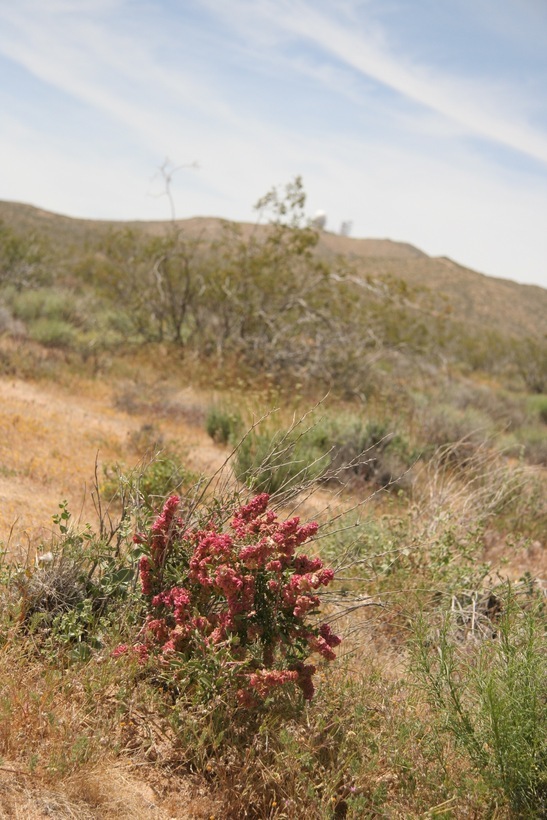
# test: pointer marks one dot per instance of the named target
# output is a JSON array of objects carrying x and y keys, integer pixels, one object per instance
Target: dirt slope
[{"x": 50, "y": 437}]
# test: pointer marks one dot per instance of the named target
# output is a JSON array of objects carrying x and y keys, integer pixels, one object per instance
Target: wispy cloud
[
  {"x": 383, "y": 131},
  {"x": 482, "y": 106},
  {"x": 119, "y": 74}
]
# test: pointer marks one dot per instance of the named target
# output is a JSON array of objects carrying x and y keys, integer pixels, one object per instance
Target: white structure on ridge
[{"x": 320, "y": 220}]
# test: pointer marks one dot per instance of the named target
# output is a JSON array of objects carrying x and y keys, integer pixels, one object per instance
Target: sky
[{"x": 420, "y": 121}]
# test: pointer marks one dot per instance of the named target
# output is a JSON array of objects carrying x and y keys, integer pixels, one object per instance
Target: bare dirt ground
[{"x": 50, "y": 440}]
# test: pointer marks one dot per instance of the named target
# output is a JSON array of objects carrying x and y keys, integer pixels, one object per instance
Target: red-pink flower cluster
[
  {"x": 306, "y": 671},
  {"x": 245, "y": 588},
  {"x": 267, "y": 679},
  {"x": 139, "y": 649},
  {"x": 145, "y": 572},
  {"x": 164, "y": 530}
]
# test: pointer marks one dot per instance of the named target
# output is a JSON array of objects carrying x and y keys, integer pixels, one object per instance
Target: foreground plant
[
  {"x": 231, "y": 610},
  {"x": 490, "y": 697}
]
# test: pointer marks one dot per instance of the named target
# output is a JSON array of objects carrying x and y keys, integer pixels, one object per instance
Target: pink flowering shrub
[{"x": 243, "y": 595}]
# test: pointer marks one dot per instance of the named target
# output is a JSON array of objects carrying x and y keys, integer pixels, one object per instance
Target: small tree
[{"x": 22, "y": 259}]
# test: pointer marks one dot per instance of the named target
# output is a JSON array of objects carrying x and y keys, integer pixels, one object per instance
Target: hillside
[
  {"x": 459, "y": 292},
  {"x": 273, "y": 526}
]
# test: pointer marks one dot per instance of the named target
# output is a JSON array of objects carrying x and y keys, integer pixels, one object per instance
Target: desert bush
[
  {"x": 150, "y": 482},
  {"x": 53, "y": 317},
  {"x": 531, "y": 361},
  {"x": 230, "y": 609},
  {"x": 52, "y": 332},
  {"x": 490, "y": 697},
  {"x": 533, "y": 443},
  {"x": 342, "y": 449},
  {"x": 77, "y": 590},
  {"x": 367, "y": 450},
  {"x": 458, "y": 433},
  {"x": 157, "y": 280},
  {"x": 8, "y": 324},
  {"x": 539, "y": 407},
  {"x": 147, "y": 439},
  {"x": 47, "y": 303},
  {"x": 156, "y": 399},
  {"x": 23, "y": 261},
  {"x": 277, "y": 461},
  {"x": 508, "y": 411},
  {"x": 223, "y": 425}
]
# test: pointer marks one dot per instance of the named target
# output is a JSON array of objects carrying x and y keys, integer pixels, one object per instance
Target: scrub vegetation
[{"x": 332, "y": 605}]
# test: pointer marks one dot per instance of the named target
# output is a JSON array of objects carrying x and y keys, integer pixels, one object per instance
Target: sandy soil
[{"x": 51, "y": 438}]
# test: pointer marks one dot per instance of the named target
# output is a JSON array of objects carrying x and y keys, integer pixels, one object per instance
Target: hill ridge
[{"x": 467, "y": 295}]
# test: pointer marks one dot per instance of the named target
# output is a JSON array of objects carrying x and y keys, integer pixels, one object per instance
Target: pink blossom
[
  {"x": 329, "y": 636},
  {"x": 256, "y": 555},
  {"x": 325, "y": 576},
  {"x": 246, "y": 698},
  {"x": 305, "y": 673},
  {"x": 305, "y": 603},
  {"x": 228, "y": 580},
  {"x": 274, "y": 566},
  {"x": 303, "y": 564},
  {"x": 251, "y": 511},
  {"x": 145, "y": 575},
  {"x": 163, "y": 529},
  {"x": 141, "y": 650},
  {"x": 246, "y": 589},
  {"x": 319, "y": 645},
  {"x": 267, "y": 679},
  {"x": 158, "y": 629}
]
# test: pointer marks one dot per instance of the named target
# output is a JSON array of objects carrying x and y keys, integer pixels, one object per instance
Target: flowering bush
[{"x": 243, "y": 596}]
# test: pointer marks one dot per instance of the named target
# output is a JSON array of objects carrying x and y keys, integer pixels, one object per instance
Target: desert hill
[
  {"x": 150, "y": 385},
  {"x": 456, "y": 291}
]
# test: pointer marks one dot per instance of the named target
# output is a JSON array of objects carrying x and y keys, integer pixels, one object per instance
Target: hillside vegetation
[{"x": 173, "y": 394}]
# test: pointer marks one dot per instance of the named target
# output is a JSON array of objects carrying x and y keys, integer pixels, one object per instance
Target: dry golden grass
[
  {"x": 69, "y": 750},
  {"x": 66, "y": 748},
  {"x": 104, "y": 792},
  {"x": 50, "y": 437}
]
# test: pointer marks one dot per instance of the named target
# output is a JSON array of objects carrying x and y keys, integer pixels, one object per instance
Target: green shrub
[
  {"x": 490, "y": 696},
  {"x": 458, "y": 433},
  {"x": 368, "y": 450},
  {"x": 342, "y": 449},
  {"x": 147, "y": 439},
  {"x": 538, "y": 406},
  {"x": 223, "y": 425},
  {"x": 534, "y": 445},
  {"x": 148, "y": 484},
  {"x": 52, "y": 332},
  {"x": 30, "y": 305},
  {"x": 78, "y": 588},
  {"x": 508, "y": 410},
  {"x": 279, "y": 462}
]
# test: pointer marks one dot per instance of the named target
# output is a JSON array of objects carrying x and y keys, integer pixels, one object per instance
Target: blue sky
[{"x": 418, "y": 120}]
